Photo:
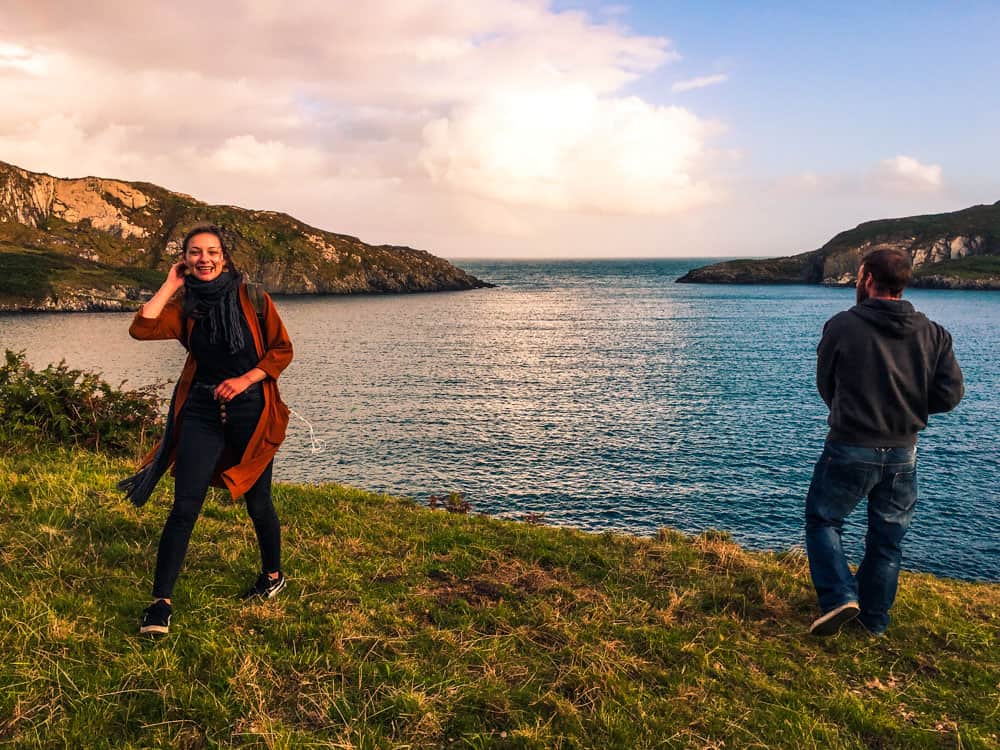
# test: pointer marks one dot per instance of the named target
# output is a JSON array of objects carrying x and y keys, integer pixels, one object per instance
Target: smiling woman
[
  {"x": 226, "y": 418},
  {"x": 204, "y": 256}
]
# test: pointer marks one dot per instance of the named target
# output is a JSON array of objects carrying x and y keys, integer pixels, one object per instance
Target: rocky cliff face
[
  {"x": 33, "y": 199},
  {"x": 959, "y": 250},
  {"x": 91, "y": 243}
]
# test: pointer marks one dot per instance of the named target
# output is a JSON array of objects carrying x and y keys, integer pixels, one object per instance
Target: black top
[
  {"x": 215, "y": 364},
  {"x": 882, "y": 367}
]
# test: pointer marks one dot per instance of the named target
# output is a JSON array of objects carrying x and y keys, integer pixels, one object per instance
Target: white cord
[{"x": 316, "y": 445}]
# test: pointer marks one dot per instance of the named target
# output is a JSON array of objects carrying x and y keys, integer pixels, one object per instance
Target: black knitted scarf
[
  {"x": 140, "y": 485},
  {"x": 218, "y": 303}
]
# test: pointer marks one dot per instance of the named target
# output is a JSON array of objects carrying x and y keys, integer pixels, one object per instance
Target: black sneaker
[
  {"x": 156, "y": 618},
  {"x": 266, "y": 587},
  {"x": 830, "y": 622},
  {"x": 858, "y": 624}
]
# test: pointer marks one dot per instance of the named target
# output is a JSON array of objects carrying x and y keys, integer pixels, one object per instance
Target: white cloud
[
  {"x": 567, "y": 148},
  {"x": 901, "y": 175},
  {"x": 383, "y": 51},
  {"x": 699, "y": 83},
  {"x": 499, "y": 105},
  {"x": 52, "y": 143},
  {"x": 244, "y": 154},
  {"x": 20, "y": 59},
  {"x": 907, "y": 174}
]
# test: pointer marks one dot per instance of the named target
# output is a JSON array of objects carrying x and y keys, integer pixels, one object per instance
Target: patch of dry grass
[{"x": 404, "y": 627}]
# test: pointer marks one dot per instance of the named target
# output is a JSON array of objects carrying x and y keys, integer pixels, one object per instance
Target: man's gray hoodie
[{"x": 882, "y": 367}]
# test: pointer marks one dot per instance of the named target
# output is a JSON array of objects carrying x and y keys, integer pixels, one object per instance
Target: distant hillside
[
  {"x": 958, "y": 250},
  {"x": 103, "y": 244}
]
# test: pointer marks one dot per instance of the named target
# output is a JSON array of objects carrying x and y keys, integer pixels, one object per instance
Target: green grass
[
  {"x": 796, "y": 269},
  {"x": 981, "y": 220},
  {"x": 842, "y": 253},
  {"x": 31, "y": 276},
  {"x": 46, "y": 266},
  {"x": 972, "y": 268},
  {"x": 411, "y": 628}
]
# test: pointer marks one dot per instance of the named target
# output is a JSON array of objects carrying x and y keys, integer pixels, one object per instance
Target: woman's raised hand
[
  {"x": 169, "y": 287},
  {"x": 175, "y": 276}
]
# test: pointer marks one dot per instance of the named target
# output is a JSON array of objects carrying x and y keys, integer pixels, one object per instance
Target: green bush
[{"x": 61, "y": 406}]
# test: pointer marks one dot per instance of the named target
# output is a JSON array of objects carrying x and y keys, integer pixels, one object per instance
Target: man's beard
[{"x": 861, "y": 292}]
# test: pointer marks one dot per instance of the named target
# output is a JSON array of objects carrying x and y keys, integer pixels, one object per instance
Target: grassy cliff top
[
  {"x": 973, "y": 262},
  {"x": 983, "y": 219},
  {"x": 98, "y": 243},
  {"x": 407, "y": 627}
]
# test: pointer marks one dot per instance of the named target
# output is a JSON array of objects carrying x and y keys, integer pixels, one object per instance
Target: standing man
[{"x": 881, "y": 368}]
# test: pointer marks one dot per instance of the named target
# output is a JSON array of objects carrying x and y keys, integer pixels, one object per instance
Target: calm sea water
[{"x": 599, "y": 393}]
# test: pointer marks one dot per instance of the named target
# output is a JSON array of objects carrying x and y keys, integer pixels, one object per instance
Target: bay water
[{"x": 600, "y": 394}]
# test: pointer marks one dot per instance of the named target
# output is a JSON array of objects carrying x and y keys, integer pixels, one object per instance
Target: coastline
[
  {"x": 943, "y": 283},
  {"x": 570, "y": 450},
  {"x": 132, "y": 305}
]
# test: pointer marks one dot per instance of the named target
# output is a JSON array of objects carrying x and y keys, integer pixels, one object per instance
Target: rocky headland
[
  {"x": 103, "y": 244},
  {"x": 958, "y": 250}
]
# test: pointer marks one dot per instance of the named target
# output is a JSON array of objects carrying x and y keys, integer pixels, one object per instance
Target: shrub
[
  {"x": 453, "y": 502},
  {"x": 61, "y": 406}
]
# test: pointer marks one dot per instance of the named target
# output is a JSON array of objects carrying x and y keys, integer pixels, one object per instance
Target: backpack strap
[{"x": 256, "y": 294}]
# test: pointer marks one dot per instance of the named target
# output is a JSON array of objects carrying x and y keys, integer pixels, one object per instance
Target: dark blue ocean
[{"x": 601, "y": 394}]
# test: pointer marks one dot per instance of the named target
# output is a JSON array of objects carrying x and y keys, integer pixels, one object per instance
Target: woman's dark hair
[
  {"x": 219, "y": 232},
  {"x": 890, "y": 269}
]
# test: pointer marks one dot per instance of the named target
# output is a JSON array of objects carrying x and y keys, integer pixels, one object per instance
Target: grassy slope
[
  {"x": 804, "y": 268},
  {"x": 405, "y": 627},
  {"x": 975, "y": 220},
  {"x": 975, "y": 267},
  {"x": 48, "y": 263},
  {"x": 32, "y": 275},
  {"x": 840, "y": 256}
]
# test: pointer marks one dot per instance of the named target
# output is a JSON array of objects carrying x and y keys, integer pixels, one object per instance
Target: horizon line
[{"x": 609, "y": 257}]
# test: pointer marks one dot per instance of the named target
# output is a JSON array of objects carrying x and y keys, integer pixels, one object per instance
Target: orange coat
[{"x": 237, "y": 474}]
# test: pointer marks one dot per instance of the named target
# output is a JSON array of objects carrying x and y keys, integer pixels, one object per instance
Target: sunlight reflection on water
[{"x": 599, "y": 393}]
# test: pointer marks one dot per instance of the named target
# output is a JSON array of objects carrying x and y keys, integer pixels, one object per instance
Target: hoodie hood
[{"x": 892, "y": 317}]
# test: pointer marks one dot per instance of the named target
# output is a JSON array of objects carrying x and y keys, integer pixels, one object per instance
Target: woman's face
[{"x": 204, "y": 256}]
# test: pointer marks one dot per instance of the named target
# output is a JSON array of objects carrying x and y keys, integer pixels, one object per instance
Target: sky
[{"x": 521, "y": 128}]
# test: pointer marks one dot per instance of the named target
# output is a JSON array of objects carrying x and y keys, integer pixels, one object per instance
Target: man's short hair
[{"x": 891, "y": 270}]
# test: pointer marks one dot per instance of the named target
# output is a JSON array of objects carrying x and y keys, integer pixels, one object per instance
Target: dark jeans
[
  {"x": 203, "y": 437},
  {"x": 843, "y": 475}
]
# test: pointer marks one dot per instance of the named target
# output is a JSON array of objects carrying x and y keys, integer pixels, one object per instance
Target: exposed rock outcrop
[
  {"x": 91, "y": 243},
  {"x": 959, "y": 250}
]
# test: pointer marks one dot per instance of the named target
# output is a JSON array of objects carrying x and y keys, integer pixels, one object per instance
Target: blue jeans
[{"x": 844, "y": 474}]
